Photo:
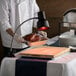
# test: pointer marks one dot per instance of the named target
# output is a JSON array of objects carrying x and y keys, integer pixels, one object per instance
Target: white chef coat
[{"x": 27, "y": 9}]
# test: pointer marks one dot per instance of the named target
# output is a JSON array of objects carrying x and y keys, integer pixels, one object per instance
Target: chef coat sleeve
[{"x": 4, "y": 15}]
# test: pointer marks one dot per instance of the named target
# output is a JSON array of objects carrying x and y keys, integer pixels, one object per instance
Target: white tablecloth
[{"x": 63, "y": 66}]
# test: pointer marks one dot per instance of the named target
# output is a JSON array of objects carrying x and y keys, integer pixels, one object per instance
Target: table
[{"x": 61, "y": 66}]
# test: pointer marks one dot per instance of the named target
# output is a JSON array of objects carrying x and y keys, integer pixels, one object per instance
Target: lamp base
[{"x": 11, "y": 54}]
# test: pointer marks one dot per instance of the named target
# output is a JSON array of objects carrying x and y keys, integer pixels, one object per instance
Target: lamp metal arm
[{"x": 11, "y": 52}]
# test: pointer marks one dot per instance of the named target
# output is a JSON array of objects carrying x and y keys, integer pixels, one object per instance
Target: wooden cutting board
[{"x": 45, "y": 52}]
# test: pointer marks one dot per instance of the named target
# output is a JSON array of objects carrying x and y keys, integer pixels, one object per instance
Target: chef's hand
[{"x": 20, "y": 39}]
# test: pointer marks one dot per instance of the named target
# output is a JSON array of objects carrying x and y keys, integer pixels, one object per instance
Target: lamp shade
[{"x": 42, "y": 23}]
